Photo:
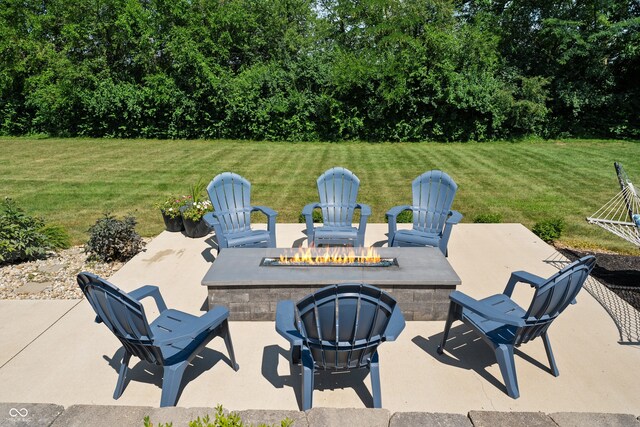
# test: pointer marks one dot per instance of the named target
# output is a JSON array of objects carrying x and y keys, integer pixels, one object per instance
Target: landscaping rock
[
  {"x": 29, "y": 414},
  {"x": 33, "y": 287},
  {"x": 421, "y": 419},
  {"x": 179, "y": 416},
  {"x": 102, "y": 416},
  {"x": 54, "y": 268},
  {"x": 511, "y": 419},
  {"x": 256, "y": 417},
  {"x": 340, "y": 417},
  {"x": 590, "y": 419}
]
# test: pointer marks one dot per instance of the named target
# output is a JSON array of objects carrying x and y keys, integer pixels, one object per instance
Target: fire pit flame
[{"x": 332, "y": 257}]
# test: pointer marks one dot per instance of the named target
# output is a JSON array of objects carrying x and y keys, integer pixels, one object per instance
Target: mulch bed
[{"x": 620, "y": 273}]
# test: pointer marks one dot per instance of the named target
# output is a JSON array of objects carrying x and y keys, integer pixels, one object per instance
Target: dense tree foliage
[{"x": 327, "y": 69}]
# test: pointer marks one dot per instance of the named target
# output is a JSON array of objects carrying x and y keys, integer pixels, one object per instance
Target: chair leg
[
  {"x": 504, "y": 355},
  {"x": 226, "y": 335},
  {"x": 171, "y": 383},
  {"x": 375, "y": 381},
  {"x": 447, "y": 327},
  {"x": 307, "y": 380},
  {"x": 552, "y": 361},
  {"x": 122, "y": 375}
]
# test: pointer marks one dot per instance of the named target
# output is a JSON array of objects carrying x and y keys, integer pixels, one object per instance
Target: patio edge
[{"x": 51, "y": 415}]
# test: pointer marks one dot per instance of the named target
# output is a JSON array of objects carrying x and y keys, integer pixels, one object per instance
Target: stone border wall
[{"x": 49, "y": 415}]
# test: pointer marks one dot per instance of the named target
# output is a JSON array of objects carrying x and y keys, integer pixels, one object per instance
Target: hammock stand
[{"x": 621, "y": 214}]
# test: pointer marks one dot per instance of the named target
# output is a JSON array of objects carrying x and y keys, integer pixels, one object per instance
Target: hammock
[{"x": 621, "y": 215}]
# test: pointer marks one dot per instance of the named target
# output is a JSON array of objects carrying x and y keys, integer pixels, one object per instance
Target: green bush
[
  {"x": 25, "y": 238},
  {"x": 405, "y": 217},
  {"x": 220, "y": 420},
  {"x": 549, "y": 229},
  {"x": 57, "y": 235},
  {"x": 112, "y": 239},
  {"x": 489, "y": 218}
]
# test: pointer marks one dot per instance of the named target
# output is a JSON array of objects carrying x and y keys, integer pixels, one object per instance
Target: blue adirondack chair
[
  {"x": 338, "y": 190},
  {"x": 433, "y": 219},
  {"x": 230, "y": 195},
  {"x": 170, "y": 341},
  {"x": 503, "y": 324},
  {"x": 339, "y": 328}
]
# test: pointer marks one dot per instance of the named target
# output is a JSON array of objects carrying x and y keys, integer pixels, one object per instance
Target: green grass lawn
[{"x": 73, "y": 181}]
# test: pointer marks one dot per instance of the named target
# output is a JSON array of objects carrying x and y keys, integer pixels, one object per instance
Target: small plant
[
  {"x": 404, "y": 217},
  {"x": 197, "y": 210},
  {"x": 112, "y": 239},
  {"x": 220, "y": 420},
  {"x": 25, "y": 238},
  {"x": 549, "y": 229},
  {"x": 171, "y": 205},
  {"x": 489, "y": 218},
  {"x": 197, "y": 191},
  {"x": 316, "y": 214}
]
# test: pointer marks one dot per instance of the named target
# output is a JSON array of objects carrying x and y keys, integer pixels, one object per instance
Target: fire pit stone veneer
[{"x": 420, "y": 280}]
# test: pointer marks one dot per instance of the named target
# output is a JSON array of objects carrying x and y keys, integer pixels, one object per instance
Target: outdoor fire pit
[
  {"x": 331, "y": 257},
  {"x": 251, "y": 281}
]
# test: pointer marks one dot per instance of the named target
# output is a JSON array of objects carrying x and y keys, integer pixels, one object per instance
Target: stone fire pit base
[{"x": 421, "y": 282}]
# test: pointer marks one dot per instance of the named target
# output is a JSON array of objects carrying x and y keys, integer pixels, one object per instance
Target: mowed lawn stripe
[{"x": 73, "y": 181}]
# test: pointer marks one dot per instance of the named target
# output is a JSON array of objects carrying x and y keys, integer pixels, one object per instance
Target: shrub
[
  {"x": 25, "y": 238},
  {"x": 57, "y": 235},
  {"x": 113, "y": 240},
  {"x": 549, "y": 229},
  {"x": 405, "y": 217},
  {"x": 489, "y": 218},
  {"x": 220, "y": 420}
]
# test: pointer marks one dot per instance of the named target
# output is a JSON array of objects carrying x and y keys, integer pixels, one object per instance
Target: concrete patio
[{"x": 53, "y": 352}]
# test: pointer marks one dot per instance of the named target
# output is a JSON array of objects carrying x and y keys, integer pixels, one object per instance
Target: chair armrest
[
  {"x": 392, "y": 215},
  {"x": 454, "y": 218},
  {"x": 307, "y": 211},
  {"x": 395, "y": 326},
  {"x": 271, "y": 222},
  {"x": 484, "y": 310},
  {"x": 365, "y": 210},
  {"x": 149, "y": 291},
  {"x": 286, "y": 323},
  {"x": 523, "y": 277},
  {"x": 396, "y": 210},
  {"x": 209, "y": 320},
  {"x": 212, "y": 221},
  {"x": 265, "y": 210}
]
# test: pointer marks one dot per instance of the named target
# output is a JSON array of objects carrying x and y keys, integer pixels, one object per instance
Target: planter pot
[
  {"x": 173, "y": 224},
  {"x": 195, "y": 229}
]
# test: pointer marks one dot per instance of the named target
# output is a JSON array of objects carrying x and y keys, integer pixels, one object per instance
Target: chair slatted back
[
  {"x": 230, "y": 196},
  {"x": 344, "y": 324},
  {"x": 433, "y": 194},
  {"x": 338, "y": 190},
  {"x": 553, "y": 297},
  {"x": 123, "y": 315}
]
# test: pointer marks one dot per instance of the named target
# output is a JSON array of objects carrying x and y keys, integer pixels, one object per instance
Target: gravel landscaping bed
[{"x": 51, "y": 278}]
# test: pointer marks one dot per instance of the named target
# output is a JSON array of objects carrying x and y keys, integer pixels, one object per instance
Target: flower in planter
[
  {"x": 196, "y": 211},
  {"x": 171, "y": 205}
]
